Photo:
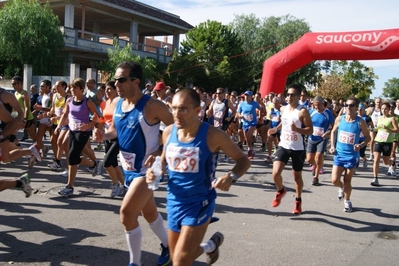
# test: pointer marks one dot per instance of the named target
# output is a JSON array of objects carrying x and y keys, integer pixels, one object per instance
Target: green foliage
[
  {"x": 30, "y": 34},
  {"x": 265, "y": 37},
  {"x": 210, "y": 57},
  {"x": 352, "y": 78},
  {"x": 118, "y": 55},
  {"x": 391, "y": 89}
]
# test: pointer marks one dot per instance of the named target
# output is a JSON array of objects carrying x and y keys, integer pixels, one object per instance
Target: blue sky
[{"x": 322, "y": 16}]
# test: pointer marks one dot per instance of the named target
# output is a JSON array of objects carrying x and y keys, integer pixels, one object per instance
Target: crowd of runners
[{"x": 192, "y": 130}]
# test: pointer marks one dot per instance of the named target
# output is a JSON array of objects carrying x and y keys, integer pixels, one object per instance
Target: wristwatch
[{"x": 233, "y": 176}]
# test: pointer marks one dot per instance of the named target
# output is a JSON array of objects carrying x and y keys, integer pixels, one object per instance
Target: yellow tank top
[
  {"x": 22, "y": 103},
  {"x": 59, "y": 105}
]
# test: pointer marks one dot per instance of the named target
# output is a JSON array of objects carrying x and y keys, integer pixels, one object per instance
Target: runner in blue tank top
[
  {"x": 322, "y": 120},
  {"x": 345, "y": 146},
  {"x": 191, "y": 154},
  {"x": 136, "y": 124}
]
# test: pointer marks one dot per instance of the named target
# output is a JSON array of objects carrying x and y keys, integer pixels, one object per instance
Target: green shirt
[
  {"x": 384, "y": 135},
  {"x": 22, "y": 104}
]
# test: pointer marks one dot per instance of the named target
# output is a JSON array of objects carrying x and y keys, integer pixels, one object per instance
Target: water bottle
[{"x": 157, "y": 169}]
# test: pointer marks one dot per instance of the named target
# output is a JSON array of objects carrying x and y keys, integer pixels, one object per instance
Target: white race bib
[
  {"x": 127, "y": 160},
  {"x": 318, "y": 131},
  {"x": 382, "y": 136},
  {"x": 347, "y": 137},
  {"x": 183, "y": 159}
]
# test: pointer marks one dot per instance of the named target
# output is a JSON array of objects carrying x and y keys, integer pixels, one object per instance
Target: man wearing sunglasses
[
  {"x": 345, "y": 146},
  {"x": 136, "y": 124},
  {"x": 295, "y": 124}
]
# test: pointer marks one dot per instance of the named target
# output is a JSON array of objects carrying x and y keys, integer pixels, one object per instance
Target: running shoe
[
  {"x": 164, "y": 259},
  {"x": 389, "y": 172},
  {"x": 347, "y": 206},
  {"x": 35, "y": 152},
  {"x": 375, "y": 182},
  {"x": 263, "y": 147},
  {"x": 64, "y": 173},
  {"x": 240, "y": 146},
  {"x": 315, "y": 181},
  {"x": 213, "y": 256},
  {"x": 31, "y": 161},
  {"x": 66, "y": 191},
  {"x": 90, "y": 169},
  {"x": 251, "y": 154},
  {"x": 26, "y": 188},
  {"x": 226, "y": 159},
  {"x": 364, "y": 163},
  {"x": 268, "y": 159},
  {"x": 54, "y": 166},
  {"x": 340, "y": 193},
  {"x": 115, "y": 190},
  {"x": 370, "y": 157},
  {"x": 279, "y": 195},
  {"x": 122, "y": 191},
  {"x": 97, "y": 168},
  {"x": 99, "y": 147},
  {"x": 321, "y": 171},
  {"x": 298, "y": 207},
  {"x": 45, "y": 151},
  {"x": 312, "y": 169}
]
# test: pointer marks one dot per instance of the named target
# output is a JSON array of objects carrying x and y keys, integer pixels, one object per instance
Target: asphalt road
[{"x": 84, "y": 229}]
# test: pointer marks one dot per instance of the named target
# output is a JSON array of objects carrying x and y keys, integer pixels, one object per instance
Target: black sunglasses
[
  {"x": 219, "y": 93},
  {"x": 124, "y": 79},
  {"x": 291, "y": 94},
  {"x": 350, "y": 105}
]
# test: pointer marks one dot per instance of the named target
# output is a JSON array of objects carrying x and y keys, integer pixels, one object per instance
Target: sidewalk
[{"x": 84, "y": 229}]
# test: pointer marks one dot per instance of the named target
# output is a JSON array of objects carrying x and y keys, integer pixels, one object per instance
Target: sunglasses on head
[
  {"x": 349, "y": 105},
  {"x": 124, "y": 79}
]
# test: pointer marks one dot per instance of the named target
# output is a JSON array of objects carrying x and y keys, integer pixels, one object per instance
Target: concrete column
[
  {"x": 133, "y": 34},
  {"x": 69, "y": 16},
  {"x": 91, "y": 74},
  {"x": 27, "y": 77},
  {"x": 176, "y": 42},
  {"x": 75, "y": 71},
  {"x": 96, "y": 30},
  {"x": 141, "y": 43}
]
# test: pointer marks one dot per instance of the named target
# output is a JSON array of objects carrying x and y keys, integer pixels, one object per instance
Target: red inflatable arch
[{"x": 360, "y": 45}]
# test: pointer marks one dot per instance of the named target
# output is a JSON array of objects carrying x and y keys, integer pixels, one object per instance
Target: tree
[
  {"x": 30, "y": 34},
  {"x": 118, "y": 55},
  {"x": 350, "y": 79},
  {"x": 265, "y": 37},
  {"x": 391, "y": 89},
  {"x": 333, "y": 87},
  {"x": 210, "y": 57}
]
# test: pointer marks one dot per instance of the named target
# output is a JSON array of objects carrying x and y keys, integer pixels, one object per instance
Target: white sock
[
  {"x": 208, "y": 247},
  {"x": 133, "y": 239},
  {"x": 159, "y": 229}
]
